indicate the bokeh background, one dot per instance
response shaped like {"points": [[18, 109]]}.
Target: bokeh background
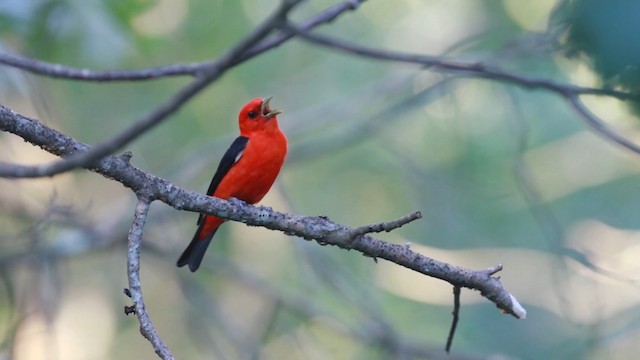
{"points": [[502, 174]]}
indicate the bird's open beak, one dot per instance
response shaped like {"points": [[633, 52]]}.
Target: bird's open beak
{"points": [[265, 111]]}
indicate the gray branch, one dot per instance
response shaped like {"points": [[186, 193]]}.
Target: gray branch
{"points": [[61, 71], [569, 92], [147, 329], [320, 229]]}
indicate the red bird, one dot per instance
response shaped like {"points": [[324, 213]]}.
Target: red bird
{"points": [[246, 172]]}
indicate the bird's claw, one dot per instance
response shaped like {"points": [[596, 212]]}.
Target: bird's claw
{"points": [[237, 202]]}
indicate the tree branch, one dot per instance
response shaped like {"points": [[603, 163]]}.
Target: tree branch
{"points": [[598, 125], [60, 71], [147, 329], [386, 226], [225, 62], [478, 69], [320, 229]]}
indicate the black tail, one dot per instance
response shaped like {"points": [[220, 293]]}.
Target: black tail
{"points": [[194, 253]]}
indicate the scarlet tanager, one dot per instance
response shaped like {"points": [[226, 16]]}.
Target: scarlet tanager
{"points": [[246, 172]]}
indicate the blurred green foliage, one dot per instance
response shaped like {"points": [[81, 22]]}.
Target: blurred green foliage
{"points": [[501, 174], [607, 36]]}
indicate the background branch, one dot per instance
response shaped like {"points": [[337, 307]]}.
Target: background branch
{"points": [[225, 62], [210, 72], [60, 71], [477, 69], [569, 92]]}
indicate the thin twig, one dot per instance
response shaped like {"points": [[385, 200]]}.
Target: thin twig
{"points": [[456, 316], [325, 17], [598, 125], [60, 71], [147, 329], [494, 269], [388, 225]]}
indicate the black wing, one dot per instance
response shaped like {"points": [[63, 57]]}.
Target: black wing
{"points": [[229, 159]]}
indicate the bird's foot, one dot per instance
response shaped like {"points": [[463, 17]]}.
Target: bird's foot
{"points": [[236, 201]]}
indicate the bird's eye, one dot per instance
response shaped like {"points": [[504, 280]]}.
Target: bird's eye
{"points": [[252, 114]]}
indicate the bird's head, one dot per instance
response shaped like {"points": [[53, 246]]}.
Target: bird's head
{"points": [[256, 115]]}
